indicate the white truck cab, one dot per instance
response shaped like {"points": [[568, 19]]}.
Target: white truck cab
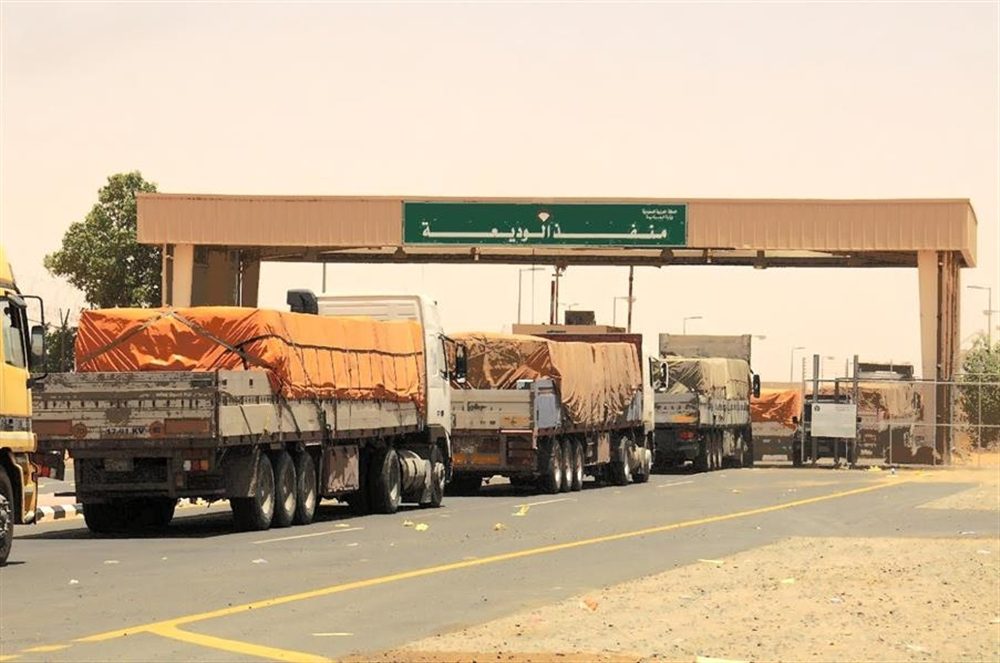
{"points": [[424, 310]]}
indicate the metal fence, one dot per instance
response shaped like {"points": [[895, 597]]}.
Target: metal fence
{"points": [[923, 422], [900, 422]]}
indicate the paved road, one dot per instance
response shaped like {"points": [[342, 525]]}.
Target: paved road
{"points": [[345, 585]]}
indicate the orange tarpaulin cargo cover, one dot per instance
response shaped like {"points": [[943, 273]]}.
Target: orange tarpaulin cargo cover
{"points": [[308, 356], [597, 381], [776, 405]]}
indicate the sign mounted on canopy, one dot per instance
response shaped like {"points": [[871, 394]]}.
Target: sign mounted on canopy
{"points": [[560, 224]]}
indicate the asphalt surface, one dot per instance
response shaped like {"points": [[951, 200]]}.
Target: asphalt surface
{"points": [[347, 585]]}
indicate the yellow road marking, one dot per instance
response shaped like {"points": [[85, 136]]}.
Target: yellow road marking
{"points": [[7, 657], [45, 648], [236, 646], [307, 536], [468, 563]]}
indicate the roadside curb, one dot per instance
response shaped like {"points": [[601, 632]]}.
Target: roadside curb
{"points": [[58, 512], [70, 511]]}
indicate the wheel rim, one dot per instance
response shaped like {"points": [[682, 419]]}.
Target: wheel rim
{"points": [[625, 462], [309, 491], [557, 473], [6, 519], [439, 477], [394, 489], [265, 490], [288, 488]]}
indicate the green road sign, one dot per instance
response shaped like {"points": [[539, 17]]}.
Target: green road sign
{"points": [[560, 224]]}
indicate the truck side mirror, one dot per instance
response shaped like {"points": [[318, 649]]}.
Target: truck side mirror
{"points": [[37, 345], [461, 364], [756, 386]]}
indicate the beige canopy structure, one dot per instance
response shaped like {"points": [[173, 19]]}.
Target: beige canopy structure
{"points": [[213, 244]]}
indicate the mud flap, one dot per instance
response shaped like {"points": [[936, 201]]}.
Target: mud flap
{"points": [[239, 467]]}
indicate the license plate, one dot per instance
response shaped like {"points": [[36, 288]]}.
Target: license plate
{"points": [[117, 464]]}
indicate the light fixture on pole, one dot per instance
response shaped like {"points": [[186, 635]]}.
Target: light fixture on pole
{"points": [[791, 367], [614, 307], [520, 273], [684, 322], [988, 311]]}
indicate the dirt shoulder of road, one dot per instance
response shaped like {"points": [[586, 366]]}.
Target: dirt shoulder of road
{"points": [[981, 469], [801, 599]]}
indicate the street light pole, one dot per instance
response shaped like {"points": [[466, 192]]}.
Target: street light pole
{"points": [[989, 312], [791, 366], [520, 273], [684, 322]]}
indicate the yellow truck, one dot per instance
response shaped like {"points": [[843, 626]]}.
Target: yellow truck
{"points": [[22, 348]]}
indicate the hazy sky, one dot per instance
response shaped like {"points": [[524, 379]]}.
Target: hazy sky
{"points": [[663, 100]]}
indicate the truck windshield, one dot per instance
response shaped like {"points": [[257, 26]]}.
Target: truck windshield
{"points": [[13, 334]]}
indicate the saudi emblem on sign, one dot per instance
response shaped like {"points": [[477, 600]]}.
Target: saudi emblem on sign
{"points": [[562, 224]]}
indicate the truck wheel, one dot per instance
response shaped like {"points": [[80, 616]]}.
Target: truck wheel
{"points": [[385, 481], [285, 489], [796, 455], [437, 479], [6, 517], [305, 489], [254, 513], [103, 518], [566, 453], [645, 467], [621, 469], [748, 452], [148, 512], [576, 473], [701, 460], [552, 468]]}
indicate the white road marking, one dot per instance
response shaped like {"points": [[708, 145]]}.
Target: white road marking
{"points": [[306, 536], [676, 483], [560, 499], [336, 634]]}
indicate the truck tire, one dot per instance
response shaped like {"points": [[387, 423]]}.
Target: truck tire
{"points": [[576, 466], [438, 473], [748, 459], [253, 514], [566, 453], [701, 460], [306, 498], [103, 517], [145, 512], [285, 489], [6, 516], [621, 469], [552, 467], [385, 481], [645, 467]]}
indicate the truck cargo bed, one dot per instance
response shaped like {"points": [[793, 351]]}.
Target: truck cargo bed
{"points": [[192, 408], [699, 410]]}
